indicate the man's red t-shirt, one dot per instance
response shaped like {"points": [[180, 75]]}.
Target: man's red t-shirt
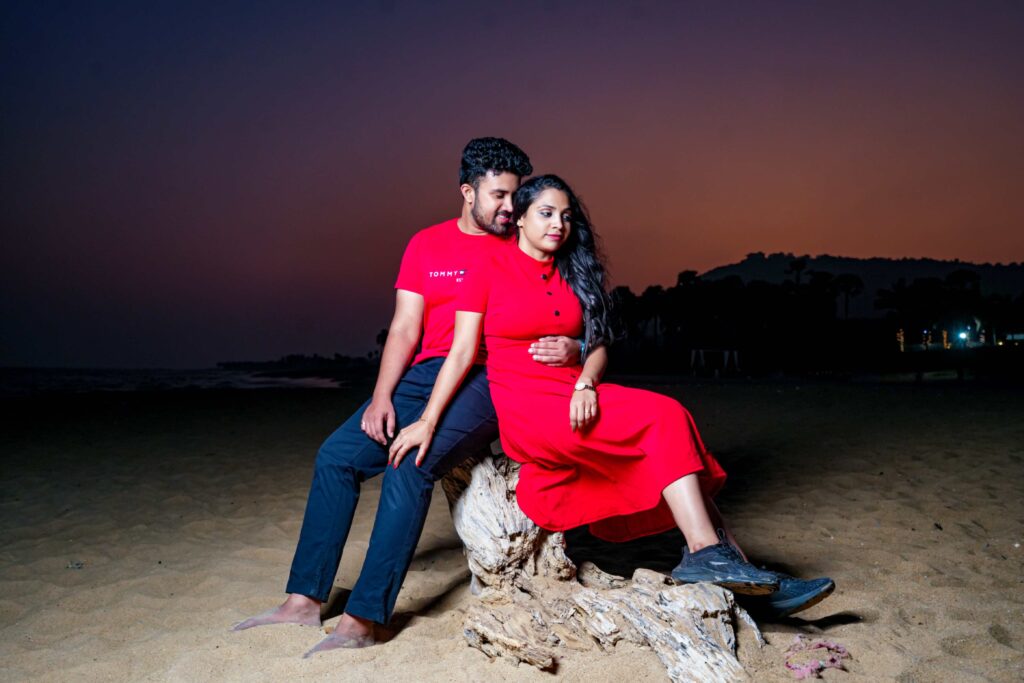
{"points": [[434, 266]]}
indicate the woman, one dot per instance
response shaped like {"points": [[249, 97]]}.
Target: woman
{"points": [[625, 461]]}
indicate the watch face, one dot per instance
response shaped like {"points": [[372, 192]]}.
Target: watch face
{"points": [[580, 386]]}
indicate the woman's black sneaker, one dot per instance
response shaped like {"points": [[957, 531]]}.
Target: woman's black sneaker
{"points": [[794, 595], [723, 566]]}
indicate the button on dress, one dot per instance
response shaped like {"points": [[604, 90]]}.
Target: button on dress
{"points": [[611, 473]]}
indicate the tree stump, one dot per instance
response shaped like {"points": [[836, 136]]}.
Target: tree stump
{"points": [[533, 601]]}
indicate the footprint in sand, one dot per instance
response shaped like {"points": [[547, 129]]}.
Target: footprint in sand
{"points": [[979, 647], [947, 582], [1003, 637]]}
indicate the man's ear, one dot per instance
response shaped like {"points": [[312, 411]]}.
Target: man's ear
{"points": [[468, 193]]}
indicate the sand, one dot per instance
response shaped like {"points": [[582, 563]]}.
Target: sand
{"points": [[136, 528]]}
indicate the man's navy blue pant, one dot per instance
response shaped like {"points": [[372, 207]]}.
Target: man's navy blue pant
{"points": [[349, 456]]}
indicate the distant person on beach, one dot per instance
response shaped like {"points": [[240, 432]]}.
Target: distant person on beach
{"points": [[627, 462], [431, 273]]}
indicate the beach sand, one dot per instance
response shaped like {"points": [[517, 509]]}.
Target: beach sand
{"points": [[137, 528]]}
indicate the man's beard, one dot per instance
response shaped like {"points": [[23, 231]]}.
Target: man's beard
{"points": [[492, 226]]}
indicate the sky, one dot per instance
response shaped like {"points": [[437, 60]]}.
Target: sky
{"points": [[185, 183]]}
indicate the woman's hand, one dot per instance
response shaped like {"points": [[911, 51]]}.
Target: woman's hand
{"points": [[419, 433], [582, 409], [379, 420]]}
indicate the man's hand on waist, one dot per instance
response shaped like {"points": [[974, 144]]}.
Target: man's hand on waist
{"points": [[556, 351]]}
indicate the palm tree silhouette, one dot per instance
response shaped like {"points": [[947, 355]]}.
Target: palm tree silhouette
{"points": [[848, 285], [796, 266]]}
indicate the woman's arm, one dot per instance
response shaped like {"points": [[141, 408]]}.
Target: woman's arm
{"points": [[465, 342], [597, 363], [583, 405]]}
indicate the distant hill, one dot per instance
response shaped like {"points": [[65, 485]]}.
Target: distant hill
{"points": [[877, 273]]}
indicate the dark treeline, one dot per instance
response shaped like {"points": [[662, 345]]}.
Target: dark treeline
{"points": [[875, 273], [803, 325]]}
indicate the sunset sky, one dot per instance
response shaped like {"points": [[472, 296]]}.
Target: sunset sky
{"points": [[184, 183]]}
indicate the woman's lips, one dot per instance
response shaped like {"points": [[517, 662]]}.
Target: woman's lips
{"points": [[554, 238]]}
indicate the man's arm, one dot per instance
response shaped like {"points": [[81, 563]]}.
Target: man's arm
{"points": [[403, 336], [556, 351]]}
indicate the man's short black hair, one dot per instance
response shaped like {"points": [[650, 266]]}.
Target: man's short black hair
{"points": [[492, 154]]}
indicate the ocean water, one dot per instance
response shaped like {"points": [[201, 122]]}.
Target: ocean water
{"points": [[30, 381]]}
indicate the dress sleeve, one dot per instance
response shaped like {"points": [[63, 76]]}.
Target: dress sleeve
{"points": [[473, 292], [410, 273]]}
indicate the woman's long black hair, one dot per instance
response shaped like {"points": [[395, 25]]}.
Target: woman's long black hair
{"points": [[579, 260]]}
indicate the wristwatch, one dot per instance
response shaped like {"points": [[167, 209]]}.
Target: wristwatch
{"points": [[580, 386]]}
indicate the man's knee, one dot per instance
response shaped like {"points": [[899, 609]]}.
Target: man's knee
{"points": [[331, 465], [329, 455], [349, 450]]}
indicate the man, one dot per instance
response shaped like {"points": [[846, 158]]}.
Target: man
{"points": [[431, 272]]}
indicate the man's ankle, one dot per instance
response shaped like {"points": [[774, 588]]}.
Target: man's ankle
{"points": [[299, 601], [351, 622]]}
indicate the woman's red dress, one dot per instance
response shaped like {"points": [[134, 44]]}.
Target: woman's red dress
{"points": [[610, 474]]}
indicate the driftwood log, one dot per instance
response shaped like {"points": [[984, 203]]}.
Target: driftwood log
{"points": [[534, 602]]}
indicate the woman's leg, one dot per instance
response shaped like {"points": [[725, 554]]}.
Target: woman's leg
{"points": [[686, 501], [708, 558], [719, 523], [698, 522]]}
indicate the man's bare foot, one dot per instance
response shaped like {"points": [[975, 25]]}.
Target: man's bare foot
{"points": [[351, 632], [297, 609]]}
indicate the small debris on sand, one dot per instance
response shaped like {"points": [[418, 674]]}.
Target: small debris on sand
{"points": [[814, 666]]}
